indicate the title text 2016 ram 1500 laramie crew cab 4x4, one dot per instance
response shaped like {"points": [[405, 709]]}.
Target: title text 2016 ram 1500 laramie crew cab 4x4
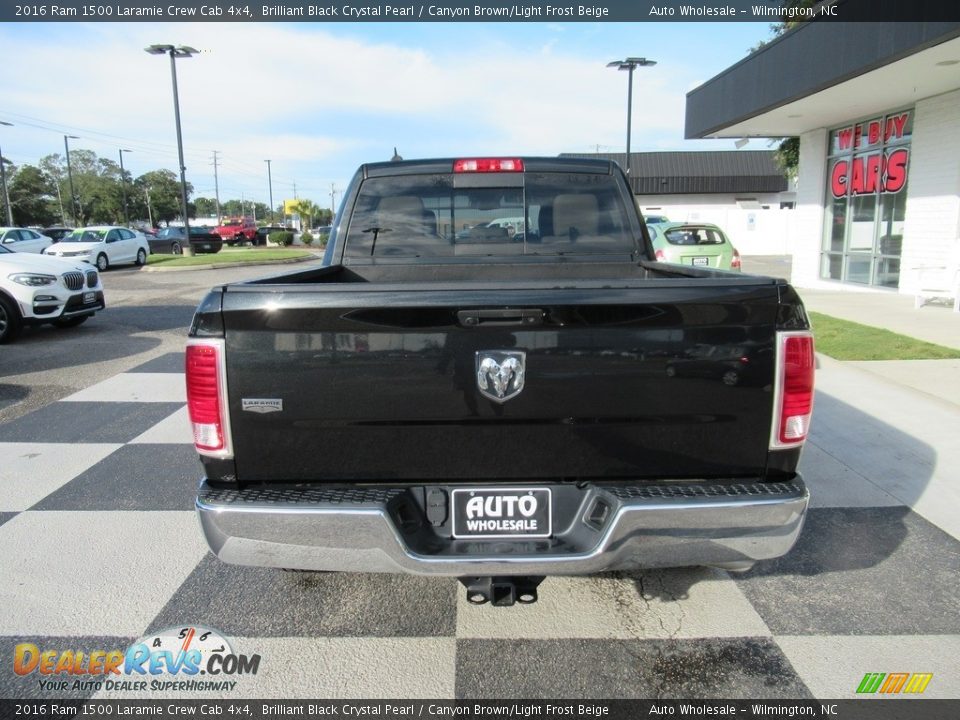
{"points": [[524, 399]]}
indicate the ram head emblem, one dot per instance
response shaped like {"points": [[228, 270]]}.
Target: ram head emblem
{"points": [[500, 374]]}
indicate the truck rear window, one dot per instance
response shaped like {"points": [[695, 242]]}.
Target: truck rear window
{"points": [[545, 214]]}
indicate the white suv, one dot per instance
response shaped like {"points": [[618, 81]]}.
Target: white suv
{"points": [[35, 289]]}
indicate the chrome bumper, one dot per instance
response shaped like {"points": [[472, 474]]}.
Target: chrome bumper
{"points": [[382, 529]]}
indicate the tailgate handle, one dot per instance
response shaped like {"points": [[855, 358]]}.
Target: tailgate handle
{"points": [[475, 318]]}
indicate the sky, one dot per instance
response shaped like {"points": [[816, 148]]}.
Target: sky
{"points": [[319, 99]]}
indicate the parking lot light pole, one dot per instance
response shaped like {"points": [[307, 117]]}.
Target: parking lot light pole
{"points": [[123, 185], [73, 194], [630, 64], [177, 52], [270, 184], [3, 177]]}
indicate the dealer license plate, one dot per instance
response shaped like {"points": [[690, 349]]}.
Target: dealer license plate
{"points": [[702, 261], [502, 513], [89, 297]]}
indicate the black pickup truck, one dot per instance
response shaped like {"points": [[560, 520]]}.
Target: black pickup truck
{"points": [[535, 396]]}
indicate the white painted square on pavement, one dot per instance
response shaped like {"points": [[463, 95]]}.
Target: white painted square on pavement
{"points": [[135, 387], [93, 573], [174, 430], [31, 471]]}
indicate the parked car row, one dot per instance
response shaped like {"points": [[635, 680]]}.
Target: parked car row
{"points": [[108, 245]]}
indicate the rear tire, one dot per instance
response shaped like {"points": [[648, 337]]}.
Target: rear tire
{"points": [[102, 262], [176, 249], [141, 257], [10, 321]]}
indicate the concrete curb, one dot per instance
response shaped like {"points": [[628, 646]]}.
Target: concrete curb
{"points": [[218, 266]]}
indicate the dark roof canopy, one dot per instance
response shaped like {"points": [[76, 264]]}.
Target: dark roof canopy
{"points": [[812, 58], [699, 172]]}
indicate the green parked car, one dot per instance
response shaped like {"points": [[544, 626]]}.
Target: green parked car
{"points": [[697, 244]]}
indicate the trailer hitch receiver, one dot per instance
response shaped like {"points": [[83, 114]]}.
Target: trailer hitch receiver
{"points": [[502, 591]]}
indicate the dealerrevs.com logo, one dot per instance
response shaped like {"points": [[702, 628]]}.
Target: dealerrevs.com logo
{"points": [[192, 658]]}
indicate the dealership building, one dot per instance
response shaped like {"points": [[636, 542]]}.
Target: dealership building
{"points": [[746, 193], [877, 109]]}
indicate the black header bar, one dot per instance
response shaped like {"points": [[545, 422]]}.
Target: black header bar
{"points": [[330, 11], [254, 709]]}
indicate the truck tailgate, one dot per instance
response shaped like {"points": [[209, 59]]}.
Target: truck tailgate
{"points": [[668, 381]]}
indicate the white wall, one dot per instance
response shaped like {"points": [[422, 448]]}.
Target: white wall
{"points": [[931, 231], [751, 229], [931, 234], [806, 227]]}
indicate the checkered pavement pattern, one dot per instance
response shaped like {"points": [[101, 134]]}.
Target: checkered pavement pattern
{"points": [[99, 546]]}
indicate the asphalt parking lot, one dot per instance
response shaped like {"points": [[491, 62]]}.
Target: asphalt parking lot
{"points": [[99, 547]]}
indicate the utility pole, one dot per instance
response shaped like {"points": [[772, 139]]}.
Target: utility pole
{"points": [[73, 194], [146, 193], [63, 214], [123, 184], [6, 195], [333, 195], [216, 185], [3, 175], [270, 183]]}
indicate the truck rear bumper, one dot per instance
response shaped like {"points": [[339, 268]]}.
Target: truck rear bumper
{"points": [[383, 529]]}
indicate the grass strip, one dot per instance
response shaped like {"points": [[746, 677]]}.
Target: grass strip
{"points": [[845, 340], [228, 255]]}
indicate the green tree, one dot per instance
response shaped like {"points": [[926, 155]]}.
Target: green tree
{"points": [[54, 167], [262, 211], [787, 154], [161, 188], [96, 184], [32, 198], [206, 207]]}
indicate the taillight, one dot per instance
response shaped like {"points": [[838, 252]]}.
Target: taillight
{"points": [[735, 263], [488, 165], [661, 256], [793, 394], [207, 397]]}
